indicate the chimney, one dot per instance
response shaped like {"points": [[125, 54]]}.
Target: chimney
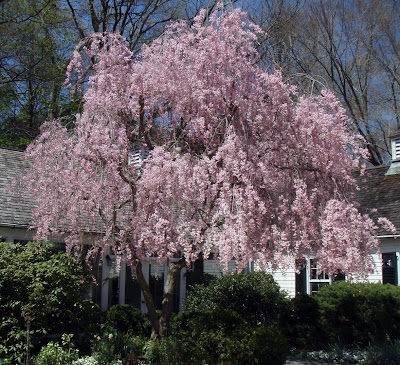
{"points": [[394, 168]]}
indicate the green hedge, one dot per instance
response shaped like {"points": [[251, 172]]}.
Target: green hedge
{"points": [[359, 314], [218, 336], [125, 318]]}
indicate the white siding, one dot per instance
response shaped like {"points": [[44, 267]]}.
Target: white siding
{"points": [[286, 280], [211, 267], [376, 276]]}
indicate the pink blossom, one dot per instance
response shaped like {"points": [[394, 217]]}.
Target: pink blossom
{"points": [[239, 163]]}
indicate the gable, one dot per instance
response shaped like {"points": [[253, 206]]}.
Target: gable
{"points": [[381, 192]]}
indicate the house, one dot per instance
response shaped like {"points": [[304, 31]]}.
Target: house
{"points": [[380, 190], [114, 286]]}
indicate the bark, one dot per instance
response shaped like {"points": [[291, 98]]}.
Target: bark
{"points": [[28, 342], [160, 327], [174, 269], [144, 286]]}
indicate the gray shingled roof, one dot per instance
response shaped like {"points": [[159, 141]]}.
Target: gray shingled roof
{"points": [[380, 192], [16, 206]]}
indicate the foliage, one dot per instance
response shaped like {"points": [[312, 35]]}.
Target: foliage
{"points": [[254, 296], [238, 163], [42, 288], [218, 336], [35, 44], [301, 323], [268, 346], [214, 337], [386, 354], [125, 318], [360, 314], [55, 354], [114, 346]]}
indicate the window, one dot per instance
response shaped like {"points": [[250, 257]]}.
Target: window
{"points": [[317, 280], [309, 280]]}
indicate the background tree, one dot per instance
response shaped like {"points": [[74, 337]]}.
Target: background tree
{"points": [[35, 47], [239, 164], [347, 46], [37, 40]]}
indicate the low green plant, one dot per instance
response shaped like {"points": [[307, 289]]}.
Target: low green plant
{"points": [[268, 346], [219, 336], [301, 324], [41, 293], [212, 337], [55, 354], [111, 347], [386, 354]]}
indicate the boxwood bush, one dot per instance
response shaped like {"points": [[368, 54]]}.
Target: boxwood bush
{"points": [[301, 324], [254, 296], [359, 314]]}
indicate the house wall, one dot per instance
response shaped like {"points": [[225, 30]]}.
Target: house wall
{"points": [[285, 279], [10, 234]]}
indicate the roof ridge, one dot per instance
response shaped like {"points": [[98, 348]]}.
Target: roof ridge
{"points": [[12, 149]]}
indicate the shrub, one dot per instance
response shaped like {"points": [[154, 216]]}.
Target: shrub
{"points": [[219, 336], [125, 318], [55, 354], [386, 354], [268, 346], [301, 323], [213, 336], [111, 347], [171, 350], [41, 288], [254, 296], [359, 314]]}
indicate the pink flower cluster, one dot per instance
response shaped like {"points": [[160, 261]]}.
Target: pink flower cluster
{"points": [[239, 163]]}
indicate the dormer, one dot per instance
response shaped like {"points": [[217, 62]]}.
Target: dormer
{"points": [[394, 168], [138, 156]]}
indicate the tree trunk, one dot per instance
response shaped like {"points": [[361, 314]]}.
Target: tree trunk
{"points": [[160, 327], [174, 269], [28, 342], [144, 286]]}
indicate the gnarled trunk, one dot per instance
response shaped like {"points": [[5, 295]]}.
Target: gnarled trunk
{"points": [[174, 269], [160, 326]]}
